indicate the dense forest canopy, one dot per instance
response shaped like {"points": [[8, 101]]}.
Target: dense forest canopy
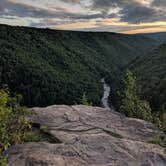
{"points": [[151, 76], [58, 67], [141, 91]]}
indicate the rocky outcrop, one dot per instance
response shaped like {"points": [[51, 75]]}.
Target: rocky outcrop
{"points": [[90, 136]]}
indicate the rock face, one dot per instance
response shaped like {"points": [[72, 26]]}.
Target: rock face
{"points": [[90, 136]]}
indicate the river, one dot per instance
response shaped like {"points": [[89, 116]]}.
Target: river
{"points": [[106, 93]]}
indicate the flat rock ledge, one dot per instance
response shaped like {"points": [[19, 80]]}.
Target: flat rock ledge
{"points": [[90, 136]]}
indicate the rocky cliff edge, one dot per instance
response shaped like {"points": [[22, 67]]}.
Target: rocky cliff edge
{"points": [[89, 136]]}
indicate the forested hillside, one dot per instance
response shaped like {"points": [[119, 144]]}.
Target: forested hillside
{"points": [[158, 36], [58, 67], [151, 75]]}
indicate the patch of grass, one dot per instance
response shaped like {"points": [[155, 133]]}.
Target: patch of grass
{"points": [[116, 135], [3, 161], [159, 140], [39, 133], [44, 128], [156, 140]]}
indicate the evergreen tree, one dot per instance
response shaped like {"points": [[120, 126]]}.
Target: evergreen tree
{"points": [[131, 105], [84, 100]]}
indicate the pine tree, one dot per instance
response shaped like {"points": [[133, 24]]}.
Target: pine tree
{"points": [[131, 105], [84, 100]]}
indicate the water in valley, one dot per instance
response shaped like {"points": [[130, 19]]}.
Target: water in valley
{"points": [[106, 93]]}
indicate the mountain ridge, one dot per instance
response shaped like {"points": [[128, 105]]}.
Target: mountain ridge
{"points": [[35, 62], [158, 36], [153, 80]]}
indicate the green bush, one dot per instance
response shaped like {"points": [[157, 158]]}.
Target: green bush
{"points": [[3, 161], [163, 121], [156, 140], [160, 120], [13, 122], [159, 140], [84, 100], [33, 136], [150, 70], [131, 104], [41, 134], [44, 128]]}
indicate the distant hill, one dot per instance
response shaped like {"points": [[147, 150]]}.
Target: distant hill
{"points": [[160, 36], [151, 74], [57, 67]]}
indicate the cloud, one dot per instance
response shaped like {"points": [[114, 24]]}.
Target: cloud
{"points": [[139, 14], [10, 8], [159, 3], [106, 5], [127, 10], [26, 10], [132, 11], [52, 23], [71, 1], [117, 28], [3, 4], [63, 12]]}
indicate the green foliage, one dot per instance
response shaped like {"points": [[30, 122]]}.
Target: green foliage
{"points": [[163, 121], [33, 136], [131, 104], [84, 100], [56, 67], [44, 128], [159, 119], [156, 119], [151, 71], [3, 161], [13, 124], [156, 140], [40, 135], [160, 140]]}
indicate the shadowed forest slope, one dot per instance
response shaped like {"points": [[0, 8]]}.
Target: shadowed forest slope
{"points": [[57, 67], [151, 75]]}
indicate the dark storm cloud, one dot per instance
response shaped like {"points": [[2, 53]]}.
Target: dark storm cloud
{"points": [[131, 10], [125, 6], [141, 14], [138, 14]]}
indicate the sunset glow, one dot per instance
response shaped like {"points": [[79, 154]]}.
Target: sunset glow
{"points": [[125, 16]]}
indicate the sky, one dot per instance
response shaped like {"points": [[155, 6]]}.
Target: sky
{"points": [[124, 16]]}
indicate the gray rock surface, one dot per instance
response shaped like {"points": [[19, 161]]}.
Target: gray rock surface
{"points": [[90, 136]]}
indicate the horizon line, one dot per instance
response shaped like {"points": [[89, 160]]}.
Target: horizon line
{"points": [[81, 30]]}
